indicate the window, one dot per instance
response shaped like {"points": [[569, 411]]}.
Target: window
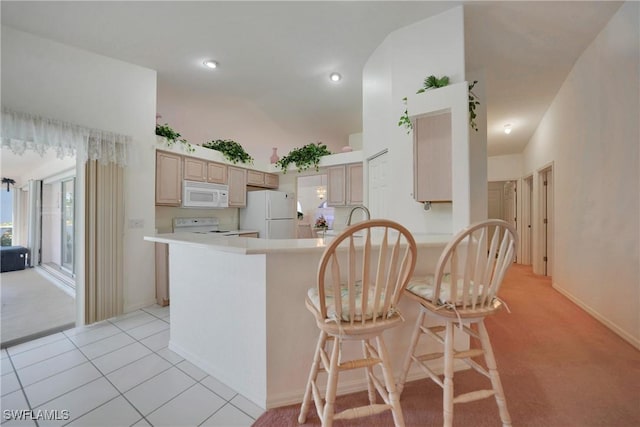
{"points": [[6, 217]]}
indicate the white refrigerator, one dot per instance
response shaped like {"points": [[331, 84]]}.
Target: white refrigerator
{"points": [[271, 213]]}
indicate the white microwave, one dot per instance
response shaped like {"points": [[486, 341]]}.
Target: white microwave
{"points": [[204, 195]]}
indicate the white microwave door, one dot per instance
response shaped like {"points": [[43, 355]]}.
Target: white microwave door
{"points": [[202, 198]]}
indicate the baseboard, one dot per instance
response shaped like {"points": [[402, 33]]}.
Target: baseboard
{"points": [[634, 341], [134, 307]]}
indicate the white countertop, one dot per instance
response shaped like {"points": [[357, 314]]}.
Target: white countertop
{"points": [[248, 246]]}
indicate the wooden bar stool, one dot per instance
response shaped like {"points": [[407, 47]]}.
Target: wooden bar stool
{"points": [[462, 292], [356, 299]]}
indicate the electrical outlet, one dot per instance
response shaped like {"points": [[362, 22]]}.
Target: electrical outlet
{"points": [[136, 223]]}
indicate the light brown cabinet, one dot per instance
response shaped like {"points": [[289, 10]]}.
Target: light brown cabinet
{"points": [[344, 185], [262, 179], [217, 173], [237, 181], [168, 179], [162, 274], [201, 170], [432, 158]]}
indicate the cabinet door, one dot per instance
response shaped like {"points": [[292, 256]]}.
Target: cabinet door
{"points": [[255, 178], [217, 172], [354, 184], [237, 179], [168, 179], [271, 180], [336, 186], [195, 169], [255, 235], [432, 158]]}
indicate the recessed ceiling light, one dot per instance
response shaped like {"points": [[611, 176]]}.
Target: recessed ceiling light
{"points": [[335, 77], [507, 129], [210, 63]]}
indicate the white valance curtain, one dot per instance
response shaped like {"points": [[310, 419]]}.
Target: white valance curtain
{"points": [[23, 131]]}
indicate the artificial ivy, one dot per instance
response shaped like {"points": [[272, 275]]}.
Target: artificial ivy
{"points": [[230, 149], [172, 137], [432, 82], [304, 157]]}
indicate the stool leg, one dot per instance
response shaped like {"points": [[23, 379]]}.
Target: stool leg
{"points": [[368, 372], [332, 386], [313, 374], [415, 337], [447, 400], [390, 384], [494, 375]]}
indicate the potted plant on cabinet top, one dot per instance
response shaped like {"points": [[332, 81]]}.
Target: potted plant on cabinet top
{"points": [[230, 149], [304, 157]]}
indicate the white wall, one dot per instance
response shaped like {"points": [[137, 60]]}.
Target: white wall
{"points": [[504, 168], [61, 82], [396, 70], [200, 119], [591, 135]]}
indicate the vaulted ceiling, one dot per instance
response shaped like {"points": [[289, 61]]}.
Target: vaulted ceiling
{"points": [[278, 55]]}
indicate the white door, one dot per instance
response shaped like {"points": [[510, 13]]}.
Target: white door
{"points": [[280, 205], [280, 229], [378, 171]]}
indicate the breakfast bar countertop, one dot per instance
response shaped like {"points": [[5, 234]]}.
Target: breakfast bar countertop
{"points": [[250, 246]]}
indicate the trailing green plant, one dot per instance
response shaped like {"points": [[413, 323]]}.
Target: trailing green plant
{"points": [[230, 149], [172, 137], [473, 103], [404, 119], [304, 157], [433, 82]]}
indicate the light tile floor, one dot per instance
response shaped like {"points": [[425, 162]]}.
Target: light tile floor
{"points": [[118, 372]]}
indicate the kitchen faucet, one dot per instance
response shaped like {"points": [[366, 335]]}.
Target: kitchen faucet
{"points": [[364, 208]]}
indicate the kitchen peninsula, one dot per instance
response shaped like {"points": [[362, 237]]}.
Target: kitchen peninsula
{"points": [[237, 311]]}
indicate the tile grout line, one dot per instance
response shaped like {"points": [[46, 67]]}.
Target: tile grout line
{"points": [[26, 398]]}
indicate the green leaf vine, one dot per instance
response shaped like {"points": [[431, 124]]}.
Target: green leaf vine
{"points": [[304, 157], [230, 149], [172, 137], [432, 82]]}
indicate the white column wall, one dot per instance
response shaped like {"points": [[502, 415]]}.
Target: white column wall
{"points": [[395, 70], [591, 135], [58, 81]]}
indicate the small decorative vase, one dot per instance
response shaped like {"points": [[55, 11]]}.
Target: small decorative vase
{"points": [[274, 156]]}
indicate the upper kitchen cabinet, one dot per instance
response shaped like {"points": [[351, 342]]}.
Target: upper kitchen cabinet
{"points": [[195, 169], [344, 185], [237, 180], [262, 179], [200, 170], [216, 173], [168, 179], [432, 157]]}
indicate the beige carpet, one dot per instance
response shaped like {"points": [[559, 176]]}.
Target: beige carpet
{"points": [[559, 367], [32, 306]]}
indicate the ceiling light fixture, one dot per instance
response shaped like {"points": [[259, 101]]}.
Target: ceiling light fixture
{"points": [[507, 129], [210, 63], [335, 77]]}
